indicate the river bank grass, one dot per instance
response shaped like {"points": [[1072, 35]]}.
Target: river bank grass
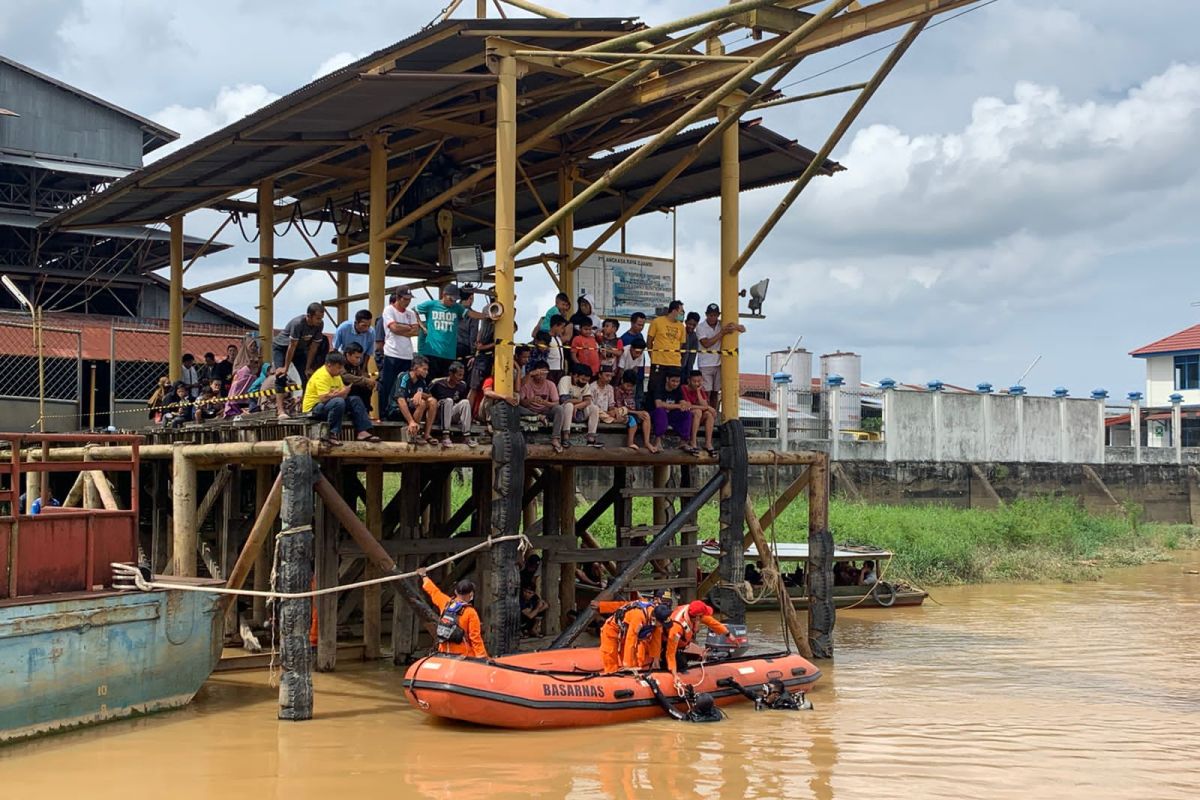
{"points": [[1043, 539]]}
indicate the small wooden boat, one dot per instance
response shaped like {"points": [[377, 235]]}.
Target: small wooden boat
{"points": [[564, 688], [882, 594]]}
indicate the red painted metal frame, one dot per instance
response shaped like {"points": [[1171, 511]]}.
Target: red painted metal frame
{"points": [[64, 550]]}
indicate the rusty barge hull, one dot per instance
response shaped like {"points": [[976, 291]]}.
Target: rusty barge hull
{"points": [[71, 660]]}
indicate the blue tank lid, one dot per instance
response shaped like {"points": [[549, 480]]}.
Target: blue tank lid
{"points": [[887, 383], [1176, 398], [781, 377], [934, 385], [1099, 394], [835, 380], [1134, 395], [1061, 391], [983, 388], [1016, 389]]}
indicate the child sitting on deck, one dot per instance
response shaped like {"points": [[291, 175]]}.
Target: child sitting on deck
{"points": [[626, 405], [694, 393]]}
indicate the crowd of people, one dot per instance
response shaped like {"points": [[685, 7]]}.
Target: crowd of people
{"points": [[657, 379]]}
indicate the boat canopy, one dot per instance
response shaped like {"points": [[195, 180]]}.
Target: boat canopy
{"points": [[798, 551]]}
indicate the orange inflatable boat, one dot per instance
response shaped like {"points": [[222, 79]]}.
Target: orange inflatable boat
{"points": [[564, 688]]}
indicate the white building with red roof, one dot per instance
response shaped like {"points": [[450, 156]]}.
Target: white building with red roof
{"points": [[1172, 367]]}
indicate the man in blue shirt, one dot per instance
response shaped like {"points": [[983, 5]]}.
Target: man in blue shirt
{"points": [[355, 330], [441, 318]]}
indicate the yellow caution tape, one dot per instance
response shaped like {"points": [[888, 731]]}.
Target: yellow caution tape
{"points": [[682, 351], [183, 403]]}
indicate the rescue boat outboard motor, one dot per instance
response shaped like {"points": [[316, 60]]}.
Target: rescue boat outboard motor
{"points": [[721, 647]]}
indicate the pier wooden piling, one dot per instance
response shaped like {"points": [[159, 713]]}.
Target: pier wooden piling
{"points": [[295, 555]]}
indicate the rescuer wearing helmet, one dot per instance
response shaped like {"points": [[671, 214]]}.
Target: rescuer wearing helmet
{"points": [[458, 628], [681, 629]]}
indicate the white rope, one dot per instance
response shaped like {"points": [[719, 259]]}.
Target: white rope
{"points": [[132, 573]]}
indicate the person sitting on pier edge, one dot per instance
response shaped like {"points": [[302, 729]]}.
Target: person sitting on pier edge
{"points": [[294, 349], [412, 402], [693, 392], [681, 631], [328, 398], [442, 316], [249, 367], [450, 393], [556, 355], [575, 392], [539, 398], [664, 340], [602, 398], [400, 324], [627, 404], [584, 349], [669, 411], [634, 358], [355, 376], [491, 396], [458, 629], [625, 634]]}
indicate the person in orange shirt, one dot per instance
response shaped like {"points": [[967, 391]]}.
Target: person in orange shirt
{"points": [[649, 651], [624, 633], [682, 629], [458, 630]]}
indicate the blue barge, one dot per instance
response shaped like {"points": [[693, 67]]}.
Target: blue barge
{"points": [[73, 650]]}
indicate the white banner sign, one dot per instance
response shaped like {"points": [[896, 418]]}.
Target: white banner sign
{"points": [[621, 284]]}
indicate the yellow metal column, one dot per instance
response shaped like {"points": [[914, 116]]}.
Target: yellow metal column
{"points": [[506, 217], [377, 248], [343, 283], [730, 186], [566, 233], [266, 269], [175, 298]]}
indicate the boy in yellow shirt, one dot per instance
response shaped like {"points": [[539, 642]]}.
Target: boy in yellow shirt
{"points": [[328, 398]]}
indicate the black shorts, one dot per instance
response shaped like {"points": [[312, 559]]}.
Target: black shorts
{"points": [[480, 370], [438, 367]]}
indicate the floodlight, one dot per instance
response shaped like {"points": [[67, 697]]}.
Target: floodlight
{"points": [[17, 294], [758, 293]]}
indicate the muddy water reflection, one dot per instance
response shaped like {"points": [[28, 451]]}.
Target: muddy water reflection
{"points": [[1001, 691]]}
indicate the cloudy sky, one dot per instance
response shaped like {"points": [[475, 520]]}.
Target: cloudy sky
{"points": [[1026, 183]]}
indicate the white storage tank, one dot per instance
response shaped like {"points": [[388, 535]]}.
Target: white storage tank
{"points": [[849, 367], [801, 423]]}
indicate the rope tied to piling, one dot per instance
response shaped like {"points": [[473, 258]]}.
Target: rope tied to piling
{"points": [[129, 576]]}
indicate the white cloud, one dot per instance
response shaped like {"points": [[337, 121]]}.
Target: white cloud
{"points": [[335, 62], [231, 104]]}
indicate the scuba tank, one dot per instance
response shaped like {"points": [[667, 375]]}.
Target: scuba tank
{"points": [[645, 630], [448, 630]]}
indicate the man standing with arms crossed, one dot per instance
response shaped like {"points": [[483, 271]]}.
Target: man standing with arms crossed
{"points": [[712, 334]]}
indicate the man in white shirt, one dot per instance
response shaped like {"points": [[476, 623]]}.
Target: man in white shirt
{"points": [[711, 334], [400, 323], [575, 390]]}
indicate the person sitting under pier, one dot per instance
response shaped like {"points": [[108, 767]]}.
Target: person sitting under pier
{"points": [[533, 610], [450, 394], [458, 630], [412, 402], [328, 398], [575, 392]]}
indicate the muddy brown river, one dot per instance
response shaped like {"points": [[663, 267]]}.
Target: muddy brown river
{"points": [[1025, 691]]}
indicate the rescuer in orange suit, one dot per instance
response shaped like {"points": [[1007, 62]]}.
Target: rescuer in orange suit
{"points": [[624, 634], [649, 651], [458, 629], [681, 630]]}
